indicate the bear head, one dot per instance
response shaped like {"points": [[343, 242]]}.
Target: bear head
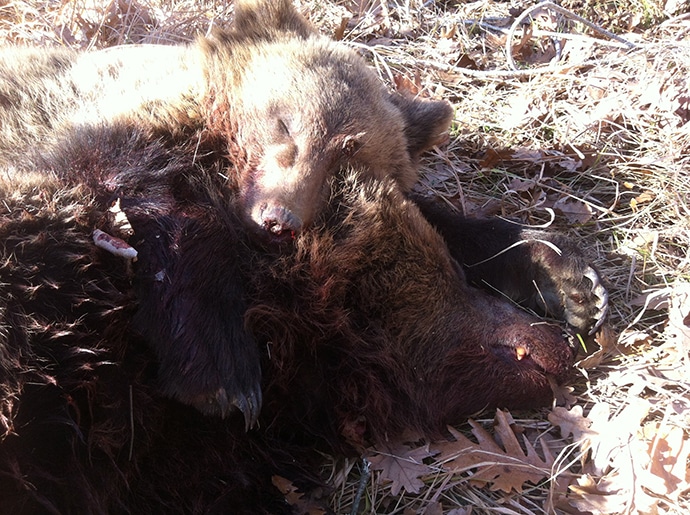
{"points": [[296, 107]]}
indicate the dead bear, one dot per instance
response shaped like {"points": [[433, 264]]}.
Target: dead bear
{"points": [[278, 139], [365, 327], [288, 106]]}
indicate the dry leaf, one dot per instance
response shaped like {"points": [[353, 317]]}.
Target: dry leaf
{"points": [[466, 510], [405, 85], [606, 339], [608, 438], [640, 474], [575, 211], [505, 467], [668, 452], [597, 497], [571, 422], [433, 508], [492, 157], [518, 185], [562, 394], [301, 505], [678, 328], [629, 466], [402, 466]]}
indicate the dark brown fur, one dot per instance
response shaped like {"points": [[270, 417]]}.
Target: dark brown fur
{"points": [[366, 327], [276, 108]]}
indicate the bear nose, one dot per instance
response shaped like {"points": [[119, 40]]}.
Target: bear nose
{"points": [[280, 221]]}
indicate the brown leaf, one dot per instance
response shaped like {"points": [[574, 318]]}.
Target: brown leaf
{"points": [[405, 85], [639, 465], [575, 211], [504, 467], [296, 499], [598, 497], [492, 157], [669, 451], [433, 508], [402, 466], [518, 185], [340, 31], [562, 394], [571, 422], [465, 61], [606, 339], [607, 440]]}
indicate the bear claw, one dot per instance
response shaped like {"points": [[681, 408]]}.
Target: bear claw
{"points": [[220, 403], [249, 405], [602, 296]]}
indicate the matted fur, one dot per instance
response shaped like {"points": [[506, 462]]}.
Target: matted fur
{"points": [[365, 327]]}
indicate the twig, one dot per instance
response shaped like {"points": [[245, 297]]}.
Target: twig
{"points": [[363, 480], [567, 14], [496, 74], [131, 422]]}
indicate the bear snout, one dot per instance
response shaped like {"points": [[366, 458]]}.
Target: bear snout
{"points": [[278, 221]]}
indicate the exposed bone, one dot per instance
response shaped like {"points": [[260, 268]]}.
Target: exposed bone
{"points": [[113, 245]]}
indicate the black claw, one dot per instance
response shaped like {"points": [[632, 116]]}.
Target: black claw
{"points": [[250, 406], [220, 404]]}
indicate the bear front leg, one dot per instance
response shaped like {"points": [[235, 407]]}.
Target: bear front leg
{"points": [[543, 271], [192, 305]]}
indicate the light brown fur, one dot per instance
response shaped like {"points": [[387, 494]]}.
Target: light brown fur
{"points": [[288, 106]]}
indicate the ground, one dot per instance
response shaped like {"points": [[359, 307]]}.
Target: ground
{"points": [[595, 144]]}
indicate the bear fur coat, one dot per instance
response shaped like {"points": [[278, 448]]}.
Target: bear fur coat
{"points": [[366, 326]]}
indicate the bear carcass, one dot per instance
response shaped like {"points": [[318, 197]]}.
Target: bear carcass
{"points": [[280, 108], [364, 328]]}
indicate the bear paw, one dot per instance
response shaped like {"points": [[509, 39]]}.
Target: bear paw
{"points": [[224, 401], [586, 305], [566, 286], [215, 387]]}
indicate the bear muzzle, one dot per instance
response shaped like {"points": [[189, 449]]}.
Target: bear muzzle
{"points": [[278, 223]]}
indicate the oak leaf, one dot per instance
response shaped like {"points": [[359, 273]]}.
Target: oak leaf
{"points": [[574, 210], [301, 505], [571, 422], [669, 451], [629, 466], [503, 466], [403, 466]]}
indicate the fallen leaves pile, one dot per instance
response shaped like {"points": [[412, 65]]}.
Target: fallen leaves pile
{"points": [[575, 118]]}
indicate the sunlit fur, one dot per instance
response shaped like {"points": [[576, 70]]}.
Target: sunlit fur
{"points": [[365, 327], [286, 105]]}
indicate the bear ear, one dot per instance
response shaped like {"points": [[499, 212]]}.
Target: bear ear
{"points": [[426, 122], [262, 19]]}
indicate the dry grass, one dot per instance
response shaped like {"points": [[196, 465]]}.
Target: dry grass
{"points": [[596, 144]]}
